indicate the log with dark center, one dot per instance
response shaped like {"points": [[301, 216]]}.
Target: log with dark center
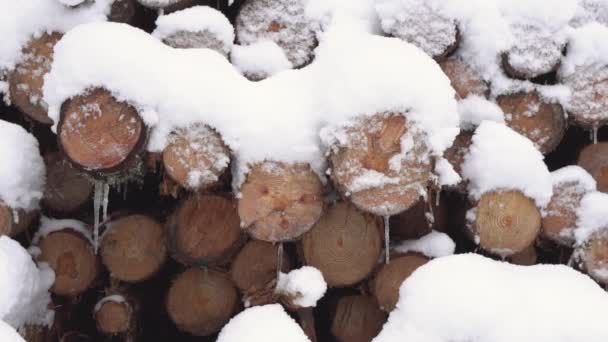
{"points": [[356, 318], [594, 159], [388, 280], [66, 189], [464, 79]]}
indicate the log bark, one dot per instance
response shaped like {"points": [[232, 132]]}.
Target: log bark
{"points": [[254, 272], [26, 80], [66, 189], [594, 159], [356, 318], [414, 223], [344, 245], [588, 105], [559, 221], [506, 222], [386, 283], [368, 147], [280, 202], [99, 134], [201, 301], [12, 226], [133, 248], [71, 256], [538, 120], [593, 257], [464, 79], [205, 230]]}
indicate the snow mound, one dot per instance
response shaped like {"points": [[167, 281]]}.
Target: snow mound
{"points": [[304, 286], [9, 334], [586, 46], [501, 159], [474, 109], [267, 323], [24, 295], [496, 302], [22, 174], [434, 245], [591, 216], [574, 174], [260, 60]]}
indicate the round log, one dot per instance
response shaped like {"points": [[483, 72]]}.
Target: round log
{"points": [[254, 272], [559, 220], [196, 157], [593, 257], [534, 53], [527, 257], [356, 318], [201, 301], [115, 315], [280, 202], [122, 11], [366, 151], [281, 21], [11, 226], [344, 245], [99, 134], [26, 80], [414, 223], [464, 79], [594, 159], [205, 230], [71, 256], [506, 222], [389, 278], [528, 114], [588, 106], [66, 189], [133, 248]]}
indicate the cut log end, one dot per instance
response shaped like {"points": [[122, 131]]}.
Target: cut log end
{"points": [[134, 248], [113, 318], [72, 258], [122, 11], [201, 301], [594, 159], [344, 245], [464, 79], [66, 189], [98, 133], [356, 318], [387, 281], [594, 257], [559, 220], [506, 222], [12, 226], [280, 202], [527, 257], [414, 223]]}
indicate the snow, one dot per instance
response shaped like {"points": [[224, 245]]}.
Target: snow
{"points": [[304, 286], [49, 225], [591, 216], [111, 298], [197, 19], [71, 2], [158, 3], [22, 173], [574, 174], [474, 109], [501, 159], [24, 296], [446, 173], [9, 334], [267, 323], [260, 60], [586, 46], [496, 302], [434, 245]]}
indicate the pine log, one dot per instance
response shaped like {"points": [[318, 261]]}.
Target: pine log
{"points": [[593, 256], [464, 79], [26, 80], [506, 222], [99, 134], [455, 155], [71, 256], [122, 11], [527, 257], [196, 157], [66, 189], [254, 272], [542, 122], [356, 318], [13, 226], [116, 315], [559, 220], [388, 280], [344, 245], [133, 248], [280, 202], [414, 222], [368, 147], [594, 159], [201, 301], [588, 105], [205, 230], [531, 44]]}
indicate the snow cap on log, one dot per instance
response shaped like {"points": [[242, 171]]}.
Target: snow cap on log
{"points": [[162, 4], [302, 287], [592, 236], [259, 60]]}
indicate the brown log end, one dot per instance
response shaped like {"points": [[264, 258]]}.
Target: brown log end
{"points": [[594, 159], [26, 80], [205, 230], [527, 257], [506, 222], [370, 144], [9, 227], [122, 11], [254, 272], [414, 224], [357, 318], [113, 318], [201, 301], [196, 157], [133, 249], [389, 278], [98, 133], [528, 114], [344, 245], [594, 257], [588, 105], [66, 189], [559, 220], [280, 202], [464, 79], [71, 256]]}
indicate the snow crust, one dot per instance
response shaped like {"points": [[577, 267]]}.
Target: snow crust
{"points": [[266, 323], [158, 3], [474, 109], [591, 216], [111, 298], [49, 225], [574, 174], [22, 174], [9, 334], [71, 2], [24, 295], [304, 286], [501, 159], [434, 245], [260, 60], [496, 302]]}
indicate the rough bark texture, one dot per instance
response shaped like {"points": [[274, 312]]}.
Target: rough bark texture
{"points": [[464, 79], [66, 189], [389, 278], [594, 159], [356, 318]]}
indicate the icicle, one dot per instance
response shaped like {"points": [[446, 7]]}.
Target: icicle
{"points": [[437, 198], [97, 195], [279, 259], [105, 200], [387, 239], [429, 214], [594, 134]]}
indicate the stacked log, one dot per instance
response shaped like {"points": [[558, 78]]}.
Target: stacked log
{"points": [[67, 190], [14, 222], [356, 318], [116, 315], [594, 159]]}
